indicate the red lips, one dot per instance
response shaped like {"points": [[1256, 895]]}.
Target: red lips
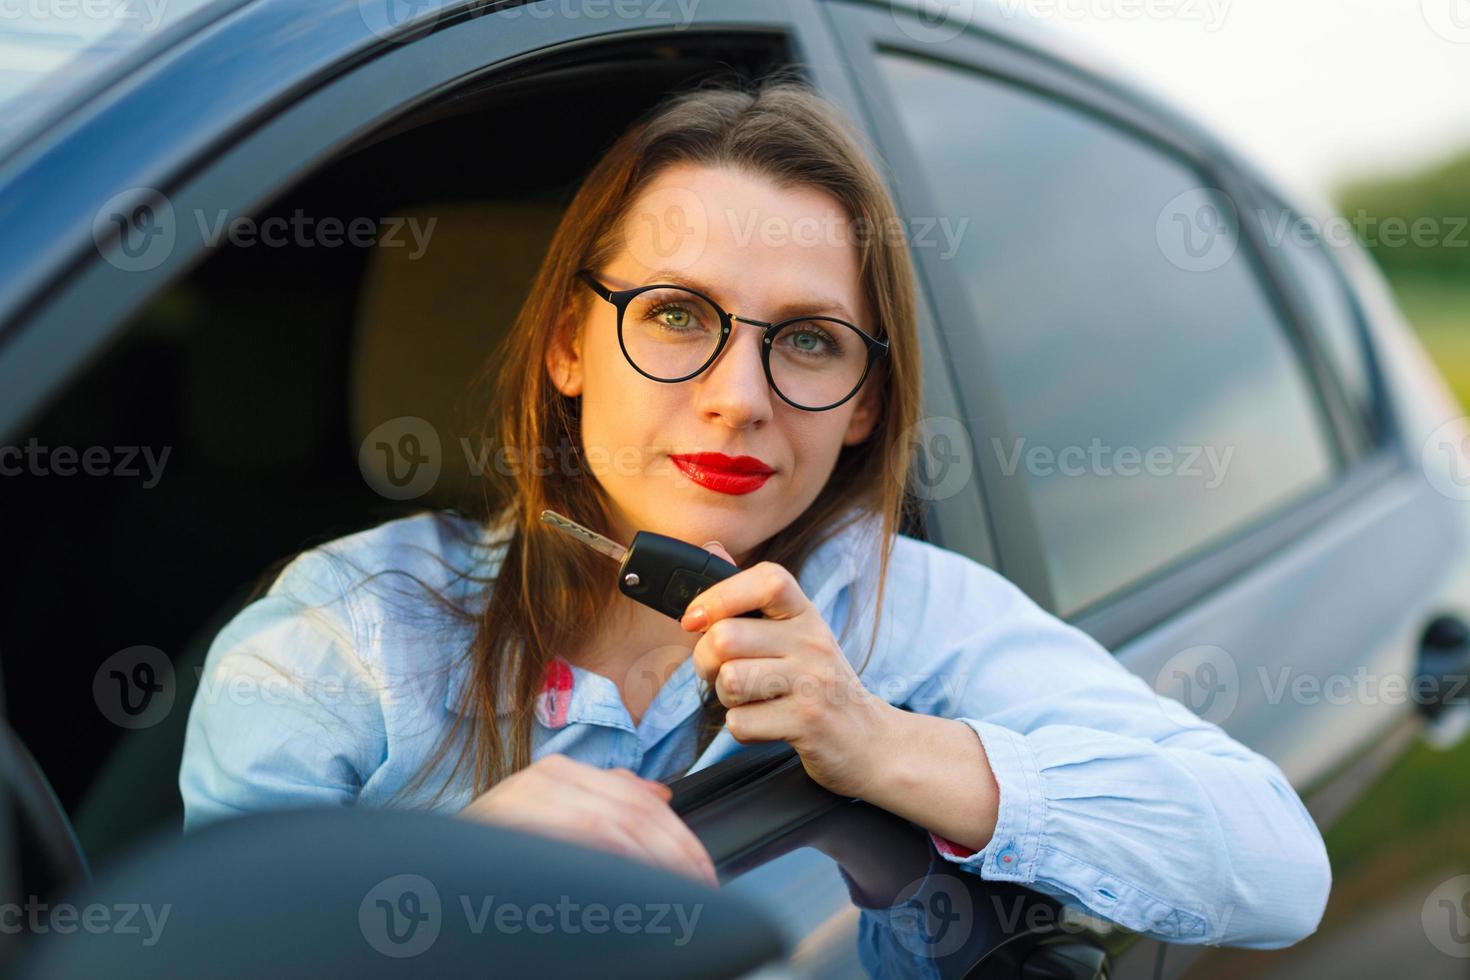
{"points": [[724, 474], [726, 464]]}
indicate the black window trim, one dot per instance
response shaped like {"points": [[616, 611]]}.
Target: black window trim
{"points": [[1378, 431], [1130, 611]]}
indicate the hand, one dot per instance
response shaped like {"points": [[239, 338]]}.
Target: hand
{"points": [[785, 677], [612, 809]]}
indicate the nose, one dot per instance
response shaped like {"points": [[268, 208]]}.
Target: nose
{"points": [[734, 387]]}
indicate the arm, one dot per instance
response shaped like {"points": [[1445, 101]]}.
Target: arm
{"points": [[285, 714], [1049, 764]]}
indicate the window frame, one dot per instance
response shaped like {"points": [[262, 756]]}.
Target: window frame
{"points": [[1376, 430], [1134, 608]]}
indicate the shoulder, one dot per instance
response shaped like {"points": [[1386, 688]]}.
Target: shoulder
{"points": [[941, 601], [948, 579], [441, 550]]}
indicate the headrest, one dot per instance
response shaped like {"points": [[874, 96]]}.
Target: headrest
{"points": [[431, 311]]}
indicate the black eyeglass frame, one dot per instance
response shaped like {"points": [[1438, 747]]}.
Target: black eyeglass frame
{"points": [[620, 298]]}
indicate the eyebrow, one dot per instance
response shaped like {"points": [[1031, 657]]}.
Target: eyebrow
{"points": [[808, 307]]}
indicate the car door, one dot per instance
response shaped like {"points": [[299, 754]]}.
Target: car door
{"points": [[114, 320], [1176, 436]]}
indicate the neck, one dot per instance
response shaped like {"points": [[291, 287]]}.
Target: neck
{"points": [[637, 649]]}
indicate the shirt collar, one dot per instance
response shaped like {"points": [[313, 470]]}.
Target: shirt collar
{"points": [[832, 567]]}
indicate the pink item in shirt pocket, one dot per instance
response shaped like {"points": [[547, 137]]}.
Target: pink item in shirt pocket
{"points": [[556, 694]]}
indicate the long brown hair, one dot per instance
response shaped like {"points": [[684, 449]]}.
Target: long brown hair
{"points": [[547, 587]]}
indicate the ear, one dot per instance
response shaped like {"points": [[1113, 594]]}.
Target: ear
{"points": [[865, 417], [564, 356]]}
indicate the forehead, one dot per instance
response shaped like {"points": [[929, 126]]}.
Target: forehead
{"points": [[758, 242]]}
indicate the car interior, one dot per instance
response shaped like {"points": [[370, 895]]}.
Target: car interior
{"points": [[260, 372]]}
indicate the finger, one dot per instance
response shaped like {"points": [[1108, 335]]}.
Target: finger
{"points": [[658, 788], [628, 824], [744, 680], [766, 586], [661, 830], [760, 721], [737, 639], [636, 844], [626, 791], [656, 815], [716, 548]]}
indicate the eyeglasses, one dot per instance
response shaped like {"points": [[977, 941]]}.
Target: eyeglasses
{"points": [[672, 333]]}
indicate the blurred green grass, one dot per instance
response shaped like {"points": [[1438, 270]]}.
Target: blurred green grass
{"points": [[1439, 309]]}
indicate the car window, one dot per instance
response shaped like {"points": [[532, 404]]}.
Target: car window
{"points": [[1155, 404], [1298, 242], [48, 53]]}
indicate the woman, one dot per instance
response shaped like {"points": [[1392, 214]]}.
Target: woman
{"points": [[758, 400]]}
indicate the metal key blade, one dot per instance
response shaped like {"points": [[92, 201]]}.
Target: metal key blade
{"points": [[585, 535]]}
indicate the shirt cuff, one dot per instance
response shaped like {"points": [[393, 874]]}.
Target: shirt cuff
{"points": [[1012, 851]]}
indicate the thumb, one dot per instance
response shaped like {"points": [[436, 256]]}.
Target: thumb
{"points": [[718, 549]]}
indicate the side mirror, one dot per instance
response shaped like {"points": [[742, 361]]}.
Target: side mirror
{"points": [[379, 893]]}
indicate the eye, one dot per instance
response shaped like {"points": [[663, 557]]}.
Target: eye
{"points": [[673, 315], [810, 339]]}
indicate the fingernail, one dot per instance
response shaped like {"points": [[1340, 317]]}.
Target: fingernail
{"points": [[695, 618]]}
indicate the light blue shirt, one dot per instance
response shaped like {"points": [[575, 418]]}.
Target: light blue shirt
{"points": [[1113, 799]]}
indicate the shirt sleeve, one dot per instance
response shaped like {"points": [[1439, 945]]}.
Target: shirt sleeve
{"points": [[286, 714], [1114, 799]]}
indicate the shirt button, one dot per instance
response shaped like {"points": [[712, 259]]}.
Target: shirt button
{"points": [[1007, 857]]}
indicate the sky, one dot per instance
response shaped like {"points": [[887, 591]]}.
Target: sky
{"points": [[1317, 91]]}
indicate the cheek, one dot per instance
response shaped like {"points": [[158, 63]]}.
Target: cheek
{"points": [[623, 414], [816, 441]]}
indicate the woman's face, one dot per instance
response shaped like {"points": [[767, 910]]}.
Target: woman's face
{"points": [[759, 251]]}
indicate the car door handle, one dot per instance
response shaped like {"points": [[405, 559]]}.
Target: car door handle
{"points": [[1444, 666]]}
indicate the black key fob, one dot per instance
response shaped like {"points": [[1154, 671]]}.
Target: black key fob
{"points": [[666, 574]]}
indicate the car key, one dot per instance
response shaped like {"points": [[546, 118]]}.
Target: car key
{"points": [[661, 572]]}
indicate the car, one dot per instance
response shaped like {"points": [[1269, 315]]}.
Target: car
{"points": [[1158, 399]]}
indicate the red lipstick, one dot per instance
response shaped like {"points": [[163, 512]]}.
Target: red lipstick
{"points": [[724, 474]]}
